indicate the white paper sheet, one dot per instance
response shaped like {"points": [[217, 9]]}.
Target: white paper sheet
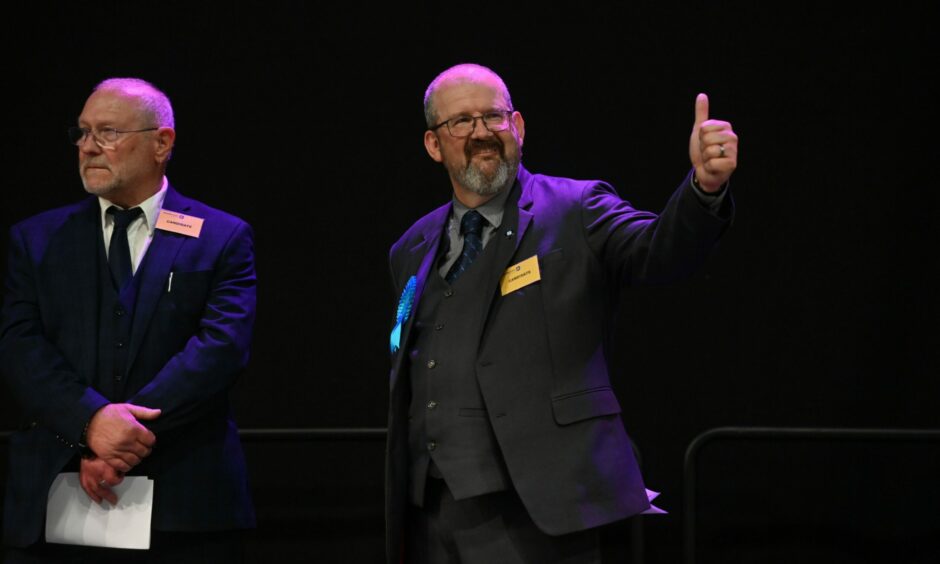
{"points": [[73, 518]]}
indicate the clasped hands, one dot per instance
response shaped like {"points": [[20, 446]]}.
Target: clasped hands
{"points": [[119, 442]]}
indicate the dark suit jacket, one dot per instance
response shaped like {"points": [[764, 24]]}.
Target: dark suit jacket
{"points": [[188, 344], [542, 361]]}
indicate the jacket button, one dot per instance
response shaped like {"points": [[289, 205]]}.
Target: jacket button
{"points": [[439, 326], [432, 404], [448, 293], [431, 364], [432, 445]]}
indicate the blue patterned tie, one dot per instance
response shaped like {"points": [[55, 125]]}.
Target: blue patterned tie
{"points": [[119, 252], [472, 228]]}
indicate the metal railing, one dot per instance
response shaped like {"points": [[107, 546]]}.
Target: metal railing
{"points": [[774, 433], [313, 434], [281, 435]]}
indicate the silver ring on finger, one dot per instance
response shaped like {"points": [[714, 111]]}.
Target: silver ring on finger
{"points": [[721, 150], [102, 483]]}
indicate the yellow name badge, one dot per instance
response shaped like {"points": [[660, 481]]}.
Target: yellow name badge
{"points": [[180, 223], [520, 275]]}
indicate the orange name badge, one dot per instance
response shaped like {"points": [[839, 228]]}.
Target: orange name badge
{"points": [[520, 275], [180, 223]]}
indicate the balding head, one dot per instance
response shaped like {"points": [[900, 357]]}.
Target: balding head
{"points": [[463, 73], [154, 105]]}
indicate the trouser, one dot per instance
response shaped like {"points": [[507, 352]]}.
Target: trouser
{"points": [[489, 529]]}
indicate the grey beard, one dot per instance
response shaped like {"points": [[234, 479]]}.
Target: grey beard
{"points": [[473, 179]]}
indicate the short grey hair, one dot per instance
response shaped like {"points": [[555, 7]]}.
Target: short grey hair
{"points": [[465, 72], [153, 102]]}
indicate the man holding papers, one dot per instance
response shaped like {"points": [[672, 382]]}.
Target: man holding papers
{"points": [[126, 319]]}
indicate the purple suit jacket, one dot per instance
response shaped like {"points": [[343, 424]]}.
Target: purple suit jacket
{"points": [[188, 344], [542, 362]]}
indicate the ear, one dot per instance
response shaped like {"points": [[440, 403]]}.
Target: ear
{"points": [[519, 124], [433, 145], [165, 138]]}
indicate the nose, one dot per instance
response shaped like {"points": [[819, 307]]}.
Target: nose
{"points": [[89, 144], [479, 129]]}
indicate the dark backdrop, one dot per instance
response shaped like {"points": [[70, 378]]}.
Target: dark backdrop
{"points": [[817, 309]]}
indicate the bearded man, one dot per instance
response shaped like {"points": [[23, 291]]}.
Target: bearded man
{"points": [[505, 440]]}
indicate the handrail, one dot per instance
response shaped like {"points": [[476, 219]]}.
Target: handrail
{"points": [[781, 433]]}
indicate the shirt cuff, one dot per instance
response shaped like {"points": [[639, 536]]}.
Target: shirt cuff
{"points": [[712, 201]]}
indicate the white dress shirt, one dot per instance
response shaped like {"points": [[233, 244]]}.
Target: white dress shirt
{"points": [[140, 231]]}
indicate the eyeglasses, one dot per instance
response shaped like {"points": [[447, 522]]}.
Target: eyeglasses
{"points": [[105, 137], [463, 125]]}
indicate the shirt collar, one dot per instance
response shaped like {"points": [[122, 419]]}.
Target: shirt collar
{"points": [[151, 207], [492, 210]]}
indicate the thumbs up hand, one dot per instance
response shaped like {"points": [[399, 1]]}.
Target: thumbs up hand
{"points": [[713, 148]]}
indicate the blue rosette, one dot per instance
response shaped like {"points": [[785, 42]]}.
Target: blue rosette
{"points": [[405, 304]]}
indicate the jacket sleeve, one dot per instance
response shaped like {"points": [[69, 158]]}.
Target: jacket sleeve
{"points": [[638, 247], [213, 357], [48, 389]]}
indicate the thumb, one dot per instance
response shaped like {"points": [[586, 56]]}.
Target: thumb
{"points": [[701, 109], [141, 412]]}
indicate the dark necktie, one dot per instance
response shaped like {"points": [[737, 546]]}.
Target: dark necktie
{"points": [[472, 228], [119, 252]]}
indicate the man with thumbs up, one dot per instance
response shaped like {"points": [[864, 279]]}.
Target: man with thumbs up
{"points": [[505, 442]]}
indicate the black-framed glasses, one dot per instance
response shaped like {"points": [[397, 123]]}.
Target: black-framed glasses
{"points": [[105, 137], [463, 125]]}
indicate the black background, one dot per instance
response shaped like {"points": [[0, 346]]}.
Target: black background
{"points": [[817, 309]]}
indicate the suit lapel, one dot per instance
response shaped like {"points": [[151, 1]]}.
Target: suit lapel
{"points": [[424, 254], [524, 205], [84, 244], [429, 248], [516, 217], [155, 273]]}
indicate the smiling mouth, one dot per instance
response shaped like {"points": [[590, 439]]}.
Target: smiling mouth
{"points": [[485, 151]]}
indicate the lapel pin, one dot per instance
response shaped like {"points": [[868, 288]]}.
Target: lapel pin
{"points": [[509, 233]]}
